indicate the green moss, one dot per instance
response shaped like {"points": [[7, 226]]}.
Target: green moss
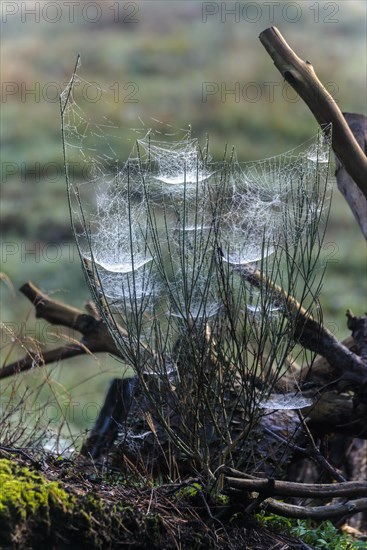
{"points": [[26, 499], [188, 492], [34, 513]]}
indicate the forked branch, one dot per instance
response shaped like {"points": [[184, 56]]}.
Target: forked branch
{"points": [[95, 336]]}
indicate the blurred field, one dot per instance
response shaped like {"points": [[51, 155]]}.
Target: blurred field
{"points": [[179, 62]]}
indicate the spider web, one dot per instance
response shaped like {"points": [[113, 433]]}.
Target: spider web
{"points": [[167, 235], [169, 203]]}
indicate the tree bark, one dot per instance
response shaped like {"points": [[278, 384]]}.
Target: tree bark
{"points": [[351, 192]]}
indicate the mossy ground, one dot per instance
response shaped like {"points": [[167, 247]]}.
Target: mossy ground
{"points": [[36, 512], [27, 502], [69, 504]]}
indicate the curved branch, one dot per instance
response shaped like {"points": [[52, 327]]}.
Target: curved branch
{"points": [[302, 77]]}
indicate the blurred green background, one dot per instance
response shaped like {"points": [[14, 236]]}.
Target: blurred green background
{"points": [[179, 63]]}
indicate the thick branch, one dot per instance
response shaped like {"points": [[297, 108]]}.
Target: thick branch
{"points": [[321, 371], [309, 333], [316, 512], [302, 77], [315, 337], [347, 489]]}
